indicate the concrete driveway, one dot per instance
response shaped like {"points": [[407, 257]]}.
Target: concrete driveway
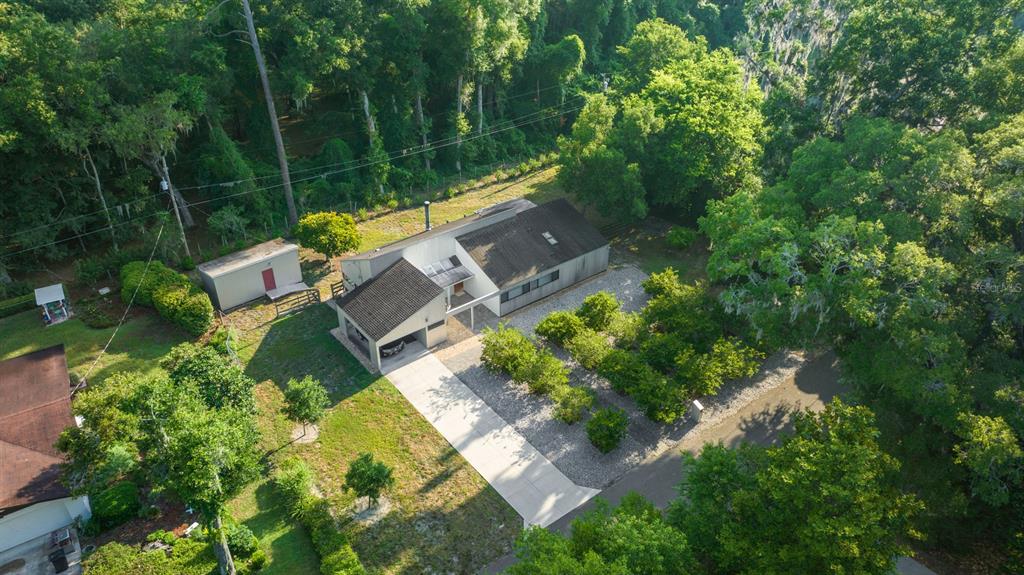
{"points": [[531, 484]]}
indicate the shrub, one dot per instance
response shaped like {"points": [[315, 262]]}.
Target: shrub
{"points": [[572, 403], [626, 328], [704, 374], [544, 374], [368, 477], [392, 204], [624, 370], [115, 505], [588, 347], [344, 561], [362, 214], [148, 282], [681, 238], [187, 307], [558, 327], [17, 304], [661, 283], [607, 428], [187, 263], [167, 537], [257, 562], [661, 350], [506, 349], [328, 233], [660, 398], [293, 479], [241, 540], [598, 310]]}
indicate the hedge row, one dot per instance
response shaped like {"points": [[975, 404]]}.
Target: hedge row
{"points": [[175, 298], [509, 351], [294, 480], [17, 304]]}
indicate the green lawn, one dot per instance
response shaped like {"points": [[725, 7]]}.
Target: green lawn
{"points": [[538, 187], [139, 344], [446, 517]]}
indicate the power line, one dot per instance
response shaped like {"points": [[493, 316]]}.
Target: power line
{"points": [[152, 253]]}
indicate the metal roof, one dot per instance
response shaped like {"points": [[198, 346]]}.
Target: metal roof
{"points": [[50, 294], [36, 408], [516, 249], [383, 302], [246, 257]]}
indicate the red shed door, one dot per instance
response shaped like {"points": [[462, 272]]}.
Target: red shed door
{"points": [[268, 279]]}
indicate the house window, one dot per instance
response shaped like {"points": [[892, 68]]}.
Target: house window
{"points": [[523, 288]]}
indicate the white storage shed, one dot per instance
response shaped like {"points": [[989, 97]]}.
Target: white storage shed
{"points": [[243, 276]]}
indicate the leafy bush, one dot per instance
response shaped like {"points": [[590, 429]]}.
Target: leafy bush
{"points": [[607, 428], [626, 328], [661, 283], [659, 397], [681, 238], [167, 537], [588, 347], [704, 374], [257, 561], [186, 306], [598, 310], [624, 370], [293, 479], [241, 540], [506, 349], [558, 327], [115, 505], [337, 556], [544, 374], [148, 282], [228, 222], [188, 557], [344, 561], [328, 233], [572, 403], [661, 350]]}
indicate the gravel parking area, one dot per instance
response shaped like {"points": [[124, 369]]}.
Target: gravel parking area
{"points": [[623, 281], [567, 446]]}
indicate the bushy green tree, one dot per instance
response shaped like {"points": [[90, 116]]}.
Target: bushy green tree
{"points": [[328, 233], [368, 477], [598, 309], [560, 326], [305, 400]]}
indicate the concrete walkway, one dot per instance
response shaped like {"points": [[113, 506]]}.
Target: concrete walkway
{"points": [[531, 484]]}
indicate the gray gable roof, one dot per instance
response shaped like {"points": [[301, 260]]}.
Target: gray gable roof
{"points": [[515, 249], [380, 304]]}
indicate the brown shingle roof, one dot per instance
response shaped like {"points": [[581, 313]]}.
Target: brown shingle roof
{"points": [[35, 407], [381, 303], [514, 250]]}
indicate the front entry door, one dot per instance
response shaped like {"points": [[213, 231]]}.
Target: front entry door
{"points": [[268, 279]]}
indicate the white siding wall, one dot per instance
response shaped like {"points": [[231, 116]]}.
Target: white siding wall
{"points": [[246, 284], [40, 519], [569, 273], [431, 313]]}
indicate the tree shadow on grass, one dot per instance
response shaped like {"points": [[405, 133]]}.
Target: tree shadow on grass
{"points": [[289, 544]]}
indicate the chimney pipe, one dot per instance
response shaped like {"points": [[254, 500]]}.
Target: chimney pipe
{"points": [[426, 213]]}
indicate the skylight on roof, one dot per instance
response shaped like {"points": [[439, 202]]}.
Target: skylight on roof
{"points": [[550, 238]]}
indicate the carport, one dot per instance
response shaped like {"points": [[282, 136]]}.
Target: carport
{"points": [[394, 309]]}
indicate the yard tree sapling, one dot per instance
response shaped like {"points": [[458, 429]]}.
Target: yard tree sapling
{"points": [[328, 233], [368, 477], [597, 310], [306, 400]]}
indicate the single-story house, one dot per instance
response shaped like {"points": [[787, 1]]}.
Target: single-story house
{"points": [[36, 510], [252, 273], [503, 258]]}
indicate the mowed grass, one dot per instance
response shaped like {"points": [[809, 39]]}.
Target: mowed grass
{"points": [[538, 187], [139, 345], [446, 518]]}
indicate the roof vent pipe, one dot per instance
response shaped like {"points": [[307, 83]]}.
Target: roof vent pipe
{"points": [[426, 213]]}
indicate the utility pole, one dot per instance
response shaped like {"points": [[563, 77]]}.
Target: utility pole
{"points": [[282, 159], [165, 185]]}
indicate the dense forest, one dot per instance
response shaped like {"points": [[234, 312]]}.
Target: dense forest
{"points": [[856, 165]]}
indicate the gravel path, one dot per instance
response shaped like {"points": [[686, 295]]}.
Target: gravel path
{"points": [[567, 446], [623, 281]]}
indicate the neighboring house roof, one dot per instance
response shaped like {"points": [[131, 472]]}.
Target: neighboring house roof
{"points": [[518, 205], [517, 249], [380, 304], [246, 257], [36, 408]]}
